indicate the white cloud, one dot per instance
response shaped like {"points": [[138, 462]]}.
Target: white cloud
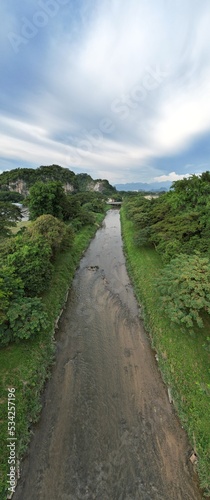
{"points": [[171, 177], [184, 114], [81, 72]]}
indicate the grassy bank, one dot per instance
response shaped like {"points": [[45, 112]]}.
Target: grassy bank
{"points": [[19, 226], [25, 366], [184, 359]]}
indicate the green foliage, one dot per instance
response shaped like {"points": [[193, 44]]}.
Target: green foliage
{"points": [[11, 196], [177, 221], [55, 233], [117, 196], [9, 215], [31, 260], [96, 206], [50, 199], [26, 317], [26, 364], [80, 208], [86, 217], [56, 173], [27, 259], [11, 287], [95, 199], [28, 175], [185, 289], [45, 174], [46, 198], [20, 316], [183, 358], [83, 180], [72, 207], [86, 183], [106, 188]]}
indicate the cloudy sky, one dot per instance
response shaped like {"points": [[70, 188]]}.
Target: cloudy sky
{"points": [[119, 89]]}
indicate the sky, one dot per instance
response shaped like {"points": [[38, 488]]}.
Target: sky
{"points": [[115, 88]]}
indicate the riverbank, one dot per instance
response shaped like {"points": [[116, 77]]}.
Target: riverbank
{"points": [[107, 429], [183, 359], [25, 366]]}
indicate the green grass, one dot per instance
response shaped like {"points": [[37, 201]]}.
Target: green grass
{"points": [[184, 359], [19, 226], [26, 366]]}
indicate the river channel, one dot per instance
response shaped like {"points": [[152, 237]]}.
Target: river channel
{"points": [[107, 430]]}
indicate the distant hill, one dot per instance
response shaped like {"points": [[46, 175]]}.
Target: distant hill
{"points": [[21, 179], [143, 186]]}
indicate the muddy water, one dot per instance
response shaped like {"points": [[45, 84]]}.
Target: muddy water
{"points": [[107, 430]]}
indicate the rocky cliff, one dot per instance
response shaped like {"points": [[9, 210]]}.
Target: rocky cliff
{"points": [[21, 180]]}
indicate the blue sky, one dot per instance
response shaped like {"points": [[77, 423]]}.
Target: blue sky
{"points": [[115, 88]]}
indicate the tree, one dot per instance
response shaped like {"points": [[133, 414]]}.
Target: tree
{"points": [[11, 196], [185, 289], [71, 207], [9, 215], [57, 234], [32, 262], [46, 198], [20, 316], [176, 222], [11, 287]]}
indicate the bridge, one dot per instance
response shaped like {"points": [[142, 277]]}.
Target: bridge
{"points": [[114, 203]]}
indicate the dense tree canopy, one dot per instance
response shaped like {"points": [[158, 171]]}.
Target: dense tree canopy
{"points": [[50, 199], [20, 316], [27, 259], [9, 215], [11, 196], [41, 174], [46, 198], [177, 223], [78, 182], [54, 232]]}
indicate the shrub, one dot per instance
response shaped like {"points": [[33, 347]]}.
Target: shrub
{"points": [[31, 260], [185, 289], [11, 287], [55, 232], [25, 317]]}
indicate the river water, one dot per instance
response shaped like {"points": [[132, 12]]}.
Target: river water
{"points": [[107, 430]]}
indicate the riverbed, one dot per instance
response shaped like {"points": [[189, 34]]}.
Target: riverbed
{"points": [[107, 430]]}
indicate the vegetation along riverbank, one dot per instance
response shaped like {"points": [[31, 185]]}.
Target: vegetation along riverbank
{"points": [[168, 263], [37, 267]]}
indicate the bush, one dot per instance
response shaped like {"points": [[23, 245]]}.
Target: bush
{"points": [[24, 319], [20, 316], [56, 233], [12, 196], [31, 260], [11, 287], [185, 289], [86, 217]]}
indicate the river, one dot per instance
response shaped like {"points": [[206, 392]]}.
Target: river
{"points": [[107, 430]]}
